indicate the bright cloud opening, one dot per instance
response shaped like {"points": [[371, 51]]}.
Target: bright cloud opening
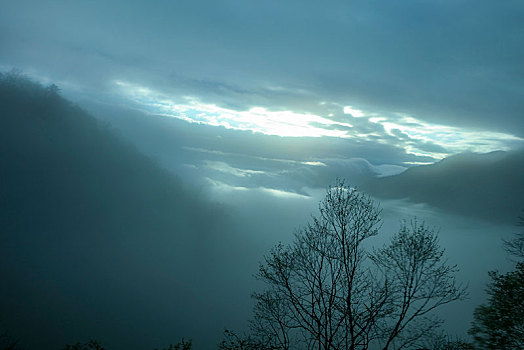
{"points": [[353, 112], [226, 188], [228, 169], [450, 139], [415, 136], [257, 119]]}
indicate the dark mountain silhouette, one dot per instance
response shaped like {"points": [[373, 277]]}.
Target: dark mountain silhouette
{"points": [[489, 186], [97, 240]]}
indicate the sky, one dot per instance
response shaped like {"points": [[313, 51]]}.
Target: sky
{"points": [[434, 78], [259, 105]]}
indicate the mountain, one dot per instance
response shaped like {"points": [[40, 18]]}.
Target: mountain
{"points": [[488, 186], [96, 239]]}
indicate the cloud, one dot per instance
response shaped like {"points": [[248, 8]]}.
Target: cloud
{"points": [[415, 136], [221, 188], [198, 151], [256, 119], [141, 255], [353, 112], [160, 136], [226, 168], [438, 140], [461, 66]]}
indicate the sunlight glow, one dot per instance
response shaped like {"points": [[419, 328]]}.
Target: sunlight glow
{"points": [[354, 112], [288, 161], [256, 119], [228, 169], [450, 139], [223, 187], [282, 194], [400, 130]]}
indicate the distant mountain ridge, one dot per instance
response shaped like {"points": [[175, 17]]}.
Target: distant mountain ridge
{"points": [[489, 186]]}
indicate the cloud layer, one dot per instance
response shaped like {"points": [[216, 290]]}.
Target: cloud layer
{"points": [[456, 64]]}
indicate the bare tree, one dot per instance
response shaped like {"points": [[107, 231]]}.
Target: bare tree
{"points": [[419, 281], [327, 291]]}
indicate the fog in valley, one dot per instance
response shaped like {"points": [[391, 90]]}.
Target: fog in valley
{"points": [[152, 155]]}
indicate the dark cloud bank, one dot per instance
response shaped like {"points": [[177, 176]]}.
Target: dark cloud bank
{"points": [[450, 62]]}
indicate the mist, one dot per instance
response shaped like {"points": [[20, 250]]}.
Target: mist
{"points": [[99, 240], [109, 234], [152, 154]]}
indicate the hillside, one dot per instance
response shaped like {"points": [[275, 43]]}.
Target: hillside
{"points": [[95, 238], [488, 186]]}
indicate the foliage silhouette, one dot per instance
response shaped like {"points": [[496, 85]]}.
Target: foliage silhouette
{"points": [[436, 340], [234, 341], [182, 345], [90, 345], [96, 345], [499, 324], [8, 343]]}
